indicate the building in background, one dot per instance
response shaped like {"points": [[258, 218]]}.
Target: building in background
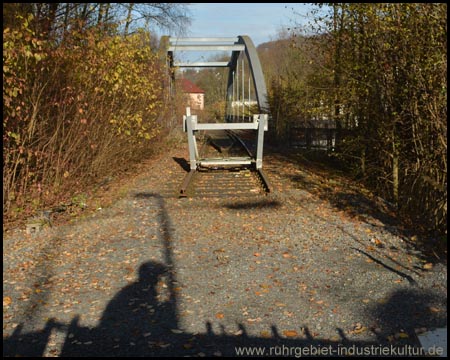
{"points": [[195, 97]]}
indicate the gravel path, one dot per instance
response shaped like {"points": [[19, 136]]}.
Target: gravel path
{"points": [[311, 266]]}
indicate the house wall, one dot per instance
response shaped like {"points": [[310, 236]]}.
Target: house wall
{"points": [[196, 101]]}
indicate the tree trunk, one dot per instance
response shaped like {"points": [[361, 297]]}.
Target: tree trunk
{"points": [[395, 172], [129, 18]]}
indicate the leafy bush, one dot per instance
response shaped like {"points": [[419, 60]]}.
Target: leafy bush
{"points": [[74, 111]]}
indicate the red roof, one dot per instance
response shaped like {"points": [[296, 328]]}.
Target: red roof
{"points": [[191, 88]]}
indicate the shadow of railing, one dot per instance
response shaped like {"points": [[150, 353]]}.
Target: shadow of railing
{"points": [[157, 334]]}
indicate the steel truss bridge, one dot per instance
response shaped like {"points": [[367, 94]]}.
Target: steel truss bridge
{"points": [[245, 86]]}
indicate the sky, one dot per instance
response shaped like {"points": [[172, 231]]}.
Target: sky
{"points": [[260, 21]]}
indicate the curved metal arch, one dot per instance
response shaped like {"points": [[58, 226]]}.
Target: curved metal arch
{"points": [[259, 83]]}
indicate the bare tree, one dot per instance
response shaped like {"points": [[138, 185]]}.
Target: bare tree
{"points": [[168, 16]]}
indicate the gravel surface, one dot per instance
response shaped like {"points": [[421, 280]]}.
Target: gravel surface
{"points": [[313, 266]]}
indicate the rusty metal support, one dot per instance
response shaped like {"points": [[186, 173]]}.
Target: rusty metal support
{"points": [[265, 182], [186, 181]]}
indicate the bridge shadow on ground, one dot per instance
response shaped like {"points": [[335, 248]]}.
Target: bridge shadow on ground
{"points": [[183, 163], [136, 322]]}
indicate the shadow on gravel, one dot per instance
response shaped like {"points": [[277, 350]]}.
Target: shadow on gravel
{"points": [[138, 321], [183, 163], [407, 310], [387, 267], [135, 323], [321, 179], [253, 204]]}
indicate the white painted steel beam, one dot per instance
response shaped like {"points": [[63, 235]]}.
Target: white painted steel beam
{"points": [[228, 161], [225, 126], [174, 40], [181, 47], [203, 64]]}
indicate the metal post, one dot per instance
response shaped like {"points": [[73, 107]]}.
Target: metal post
{"points": [[193, 152], [249, 96], [243, 87], [262, 121], [237, 91], [232, 101]]}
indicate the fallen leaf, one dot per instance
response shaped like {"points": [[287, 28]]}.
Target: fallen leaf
{"points": [[290, 333], [378, 243], [434, 309], [428, 266], [359, 330], [258, 319], [420, 330], [7, 301], [220, 315]]}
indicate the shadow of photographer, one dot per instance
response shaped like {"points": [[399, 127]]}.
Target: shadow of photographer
{"points": [[134, 322]]}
